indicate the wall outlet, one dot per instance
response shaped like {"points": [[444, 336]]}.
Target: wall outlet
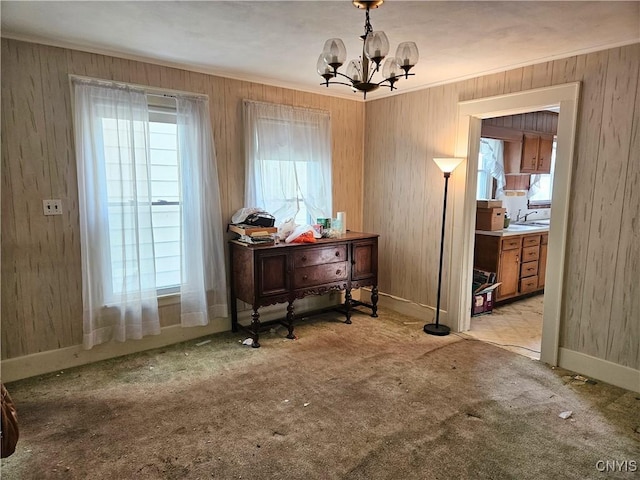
{"points": [[52, 207]]}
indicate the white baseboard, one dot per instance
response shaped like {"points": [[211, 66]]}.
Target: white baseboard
{"points": [[599, 369], [411, 309], [60, 359]]}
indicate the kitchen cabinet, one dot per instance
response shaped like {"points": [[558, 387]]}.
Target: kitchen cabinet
{"points": [[508, 272], [530, 263], [500, 255], [518, 260], [542, 263], [264, 275], [536, 153]]}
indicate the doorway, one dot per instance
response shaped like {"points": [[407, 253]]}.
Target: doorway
{"points": [[470, 115], [515, 173]]}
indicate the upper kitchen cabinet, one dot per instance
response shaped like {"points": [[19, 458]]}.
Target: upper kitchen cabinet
{"points": [[528, 144], [536, 153]]}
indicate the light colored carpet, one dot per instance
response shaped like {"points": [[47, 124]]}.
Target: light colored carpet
{"points": [[378, 399]]}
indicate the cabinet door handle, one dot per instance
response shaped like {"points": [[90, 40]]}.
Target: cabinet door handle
{"points": [[517, 259]]}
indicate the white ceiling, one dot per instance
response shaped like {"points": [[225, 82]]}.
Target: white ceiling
{"points": [[278, 43]]}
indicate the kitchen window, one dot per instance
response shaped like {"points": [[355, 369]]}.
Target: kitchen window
{"points": [[491, 177], [541, 187]]}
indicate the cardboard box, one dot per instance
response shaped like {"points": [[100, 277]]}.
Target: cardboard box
{"points": [[483, 292], [482, 303], [489, 204], [490, 219]]}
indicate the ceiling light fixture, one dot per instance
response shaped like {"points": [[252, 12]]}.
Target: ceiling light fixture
{"points": [[374, 50]]}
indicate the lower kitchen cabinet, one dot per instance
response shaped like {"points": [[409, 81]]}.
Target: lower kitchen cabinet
{"points": [[542, 263], [518, 260]]}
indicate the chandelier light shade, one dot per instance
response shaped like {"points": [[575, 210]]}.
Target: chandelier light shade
{"points": [[375, 49]]}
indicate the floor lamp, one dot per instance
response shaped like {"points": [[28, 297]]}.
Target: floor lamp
{"points": [[447, 165]]}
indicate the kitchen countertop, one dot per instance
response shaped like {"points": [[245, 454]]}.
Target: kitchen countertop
{"points": [[515, 230]]}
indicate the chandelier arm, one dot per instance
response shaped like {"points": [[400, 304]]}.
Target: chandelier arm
{"points": [[327, 83], [345, 76], [396, 78], [373, 70]]}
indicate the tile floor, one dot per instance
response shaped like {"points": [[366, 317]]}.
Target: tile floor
{"points": [[516, 326]]}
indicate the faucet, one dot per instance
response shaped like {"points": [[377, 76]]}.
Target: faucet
{"points": [[524, 217]]}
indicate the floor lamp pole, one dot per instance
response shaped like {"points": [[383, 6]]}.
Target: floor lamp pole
{"points": [[436, 328]]}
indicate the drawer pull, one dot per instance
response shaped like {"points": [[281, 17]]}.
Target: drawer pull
{"points": [[337, 272], [304, 259], [305, 277], [337, 254]]}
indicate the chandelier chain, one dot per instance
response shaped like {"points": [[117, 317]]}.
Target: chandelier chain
{"points": [[367, 26]]}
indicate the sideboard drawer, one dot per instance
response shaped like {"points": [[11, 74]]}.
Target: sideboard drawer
{"points": [[319, 256], [320, 274]]}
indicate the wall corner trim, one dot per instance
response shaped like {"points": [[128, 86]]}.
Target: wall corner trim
{"points": [[603, 370]]}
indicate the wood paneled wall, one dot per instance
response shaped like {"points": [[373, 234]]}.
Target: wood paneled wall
{"points": [[41, 277], [396, 191], [403, 193], [543, 122]]}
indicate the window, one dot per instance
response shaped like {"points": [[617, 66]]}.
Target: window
{"points": [[165, 226], [149, 204], [288, 161], [491, 178], [540, 191]]}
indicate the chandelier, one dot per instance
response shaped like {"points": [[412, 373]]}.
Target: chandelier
{"points": [[359, 74]]}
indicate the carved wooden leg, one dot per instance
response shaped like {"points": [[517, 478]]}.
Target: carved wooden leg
{"points": [[290, 320], [374, 301], [255, 327], [347, 305]]}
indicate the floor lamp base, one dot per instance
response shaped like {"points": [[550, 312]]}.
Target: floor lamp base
{"points": [[439, 330]]}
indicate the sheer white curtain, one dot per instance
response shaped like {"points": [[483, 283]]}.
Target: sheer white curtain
{"points": [[288, 160], [116, 201], [491, 166], [118, 266], [203, 292]]}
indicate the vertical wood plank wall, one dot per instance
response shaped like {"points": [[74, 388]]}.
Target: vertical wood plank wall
{"points": [[390, 186], [403, 192], [41, 276]]}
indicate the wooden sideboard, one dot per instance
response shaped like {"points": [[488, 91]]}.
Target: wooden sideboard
{"points": [[266, 275]]}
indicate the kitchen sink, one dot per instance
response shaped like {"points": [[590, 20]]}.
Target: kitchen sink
{"points": [[519, 226], [532, 224]]}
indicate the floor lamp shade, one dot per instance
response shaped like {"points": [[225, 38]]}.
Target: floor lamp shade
{"points": [[447, 165]]}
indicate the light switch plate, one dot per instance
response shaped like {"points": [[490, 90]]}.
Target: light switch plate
{"points": [[52, 207]]}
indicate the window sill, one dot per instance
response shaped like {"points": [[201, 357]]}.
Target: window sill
{"points": [[539, 204], [169, 299]]}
